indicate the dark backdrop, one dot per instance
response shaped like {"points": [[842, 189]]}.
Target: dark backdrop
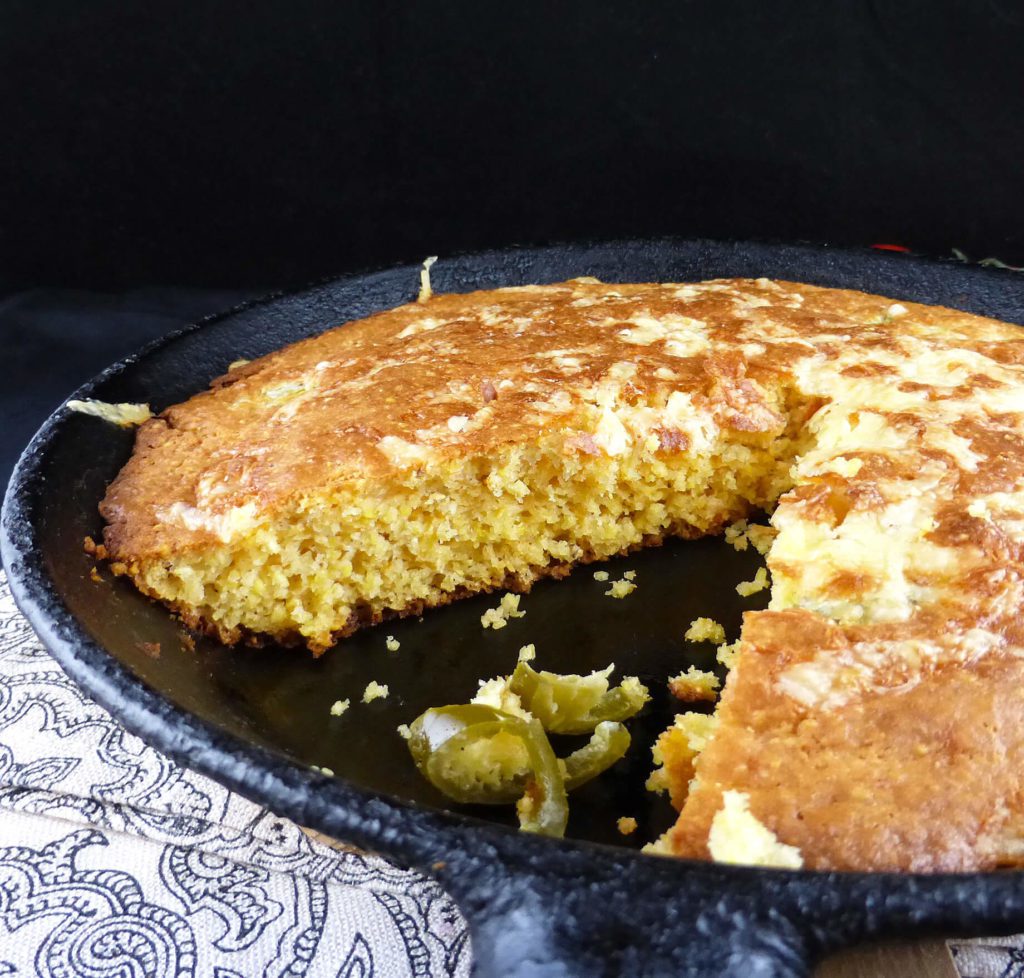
{"points": [[265, 143]]}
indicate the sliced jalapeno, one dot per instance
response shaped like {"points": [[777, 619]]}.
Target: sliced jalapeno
{"points": [[477, 754], [569, 704], [608, 744]]}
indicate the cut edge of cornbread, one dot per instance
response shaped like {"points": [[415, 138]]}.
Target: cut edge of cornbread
{"points": [[316, 568]]}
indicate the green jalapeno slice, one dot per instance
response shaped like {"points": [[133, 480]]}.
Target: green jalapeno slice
{"points": [[569, 704]]}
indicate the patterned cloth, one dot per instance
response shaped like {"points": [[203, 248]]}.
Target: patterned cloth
{"points": [[116, 861]]}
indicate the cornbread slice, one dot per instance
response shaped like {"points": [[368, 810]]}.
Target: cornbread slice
{"points": [[475, 442], [464, 443]]}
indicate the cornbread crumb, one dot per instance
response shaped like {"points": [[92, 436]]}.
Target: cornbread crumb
{"points": [[392, 644], [123, 415], [745, 588], [498, 617], [620, 588], [736, 836], [94, 576], [375, 691], [705, 630], [675, 751], [694, 684], [323, 770], [736, 535], [528, 653], [726, 654], [742, 534], [601, 575], [762, 537], [339, 707], [659, 847], [235, 364], [425, 290], [630, 575], [403, 731], [626, 825]]}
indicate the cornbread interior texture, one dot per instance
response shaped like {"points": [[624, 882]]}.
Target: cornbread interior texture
{"points": [[481, 441]]}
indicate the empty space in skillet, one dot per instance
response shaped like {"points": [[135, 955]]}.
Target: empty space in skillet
{"points": [[281, 698]]}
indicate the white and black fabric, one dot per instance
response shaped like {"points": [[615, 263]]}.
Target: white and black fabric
{"points": [[114, 861]]}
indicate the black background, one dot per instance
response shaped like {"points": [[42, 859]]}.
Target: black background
{"points": [[201, 151], [266, 143]]}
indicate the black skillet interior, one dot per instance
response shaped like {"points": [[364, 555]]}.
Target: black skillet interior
{"points": [[251, 716]]}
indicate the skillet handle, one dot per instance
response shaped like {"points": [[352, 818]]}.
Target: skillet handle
{"points": [[568, 914]]}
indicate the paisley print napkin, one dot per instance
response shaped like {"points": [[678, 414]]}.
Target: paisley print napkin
{"points": [[114, 861]]}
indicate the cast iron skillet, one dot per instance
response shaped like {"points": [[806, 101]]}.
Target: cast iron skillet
{"points": [[257, 720]]}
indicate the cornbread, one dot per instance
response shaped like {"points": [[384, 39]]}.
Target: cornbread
{"points": [[621, 588], [694, 684], [873, 718], [726, 654], [508, 608], [375, 691], [626, 825], [746, 588], [705, 630]]}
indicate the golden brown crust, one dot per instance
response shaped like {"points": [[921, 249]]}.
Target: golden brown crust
{"points": [[921, 770]]}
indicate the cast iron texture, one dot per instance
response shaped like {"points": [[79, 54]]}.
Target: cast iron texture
{"points": [[535, 906]]}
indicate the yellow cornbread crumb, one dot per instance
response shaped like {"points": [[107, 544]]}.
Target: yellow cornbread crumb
{"points": [[339, 707], [621, 588], [392, 644], [741, 534], [705, 630], [736, 535], [626, 825], [762, 537], [745, 588], [323, 770], [630, 575], [726, 654], [403, 731], [600, 575], [528, 653], [694, 684], [736, 836], [676, 749], [498, 617], [375, 691]]}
